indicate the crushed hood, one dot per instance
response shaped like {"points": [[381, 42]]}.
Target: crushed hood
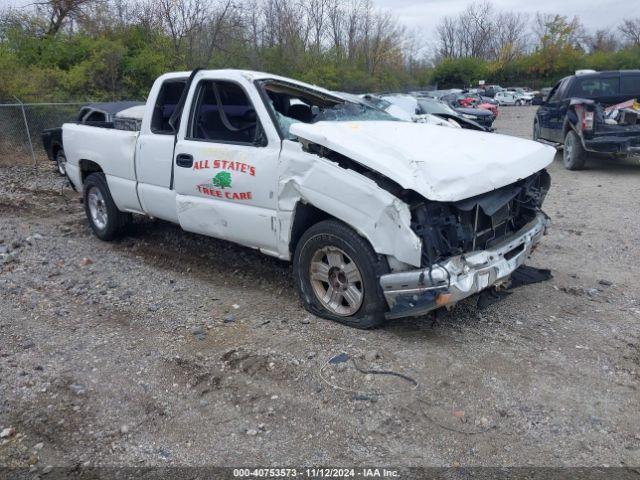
{"points": [[441, 164]]}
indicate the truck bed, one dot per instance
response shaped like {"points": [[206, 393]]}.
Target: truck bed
{"points": [[113, 150]]}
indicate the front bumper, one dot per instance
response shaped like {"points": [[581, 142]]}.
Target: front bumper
{"points": [[417, 292]]}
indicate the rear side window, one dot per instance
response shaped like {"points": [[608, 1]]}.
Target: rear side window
{"points": [[166, 103], [96, 117], [596, 87], [223, 113], [630, 85]]}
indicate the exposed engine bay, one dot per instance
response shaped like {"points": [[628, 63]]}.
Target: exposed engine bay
{"points": [[448, 229], [477, 223]]}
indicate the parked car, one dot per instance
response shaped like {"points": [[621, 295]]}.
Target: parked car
{"points": [[523, 94], [592, 112], [441, 93], [93, 114], [405, 107], [469, 100], [397, 106], [506, 97], [491, 90], [540, 96], [381, 218], [479, 115], [441, 109], [478, 95]]}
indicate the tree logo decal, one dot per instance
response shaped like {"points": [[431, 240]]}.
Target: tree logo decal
{"points": [[222, 180]]}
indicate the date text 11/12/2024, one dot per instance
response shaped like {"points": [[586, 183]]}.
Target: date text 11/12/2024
{"points": [[316, 473]]}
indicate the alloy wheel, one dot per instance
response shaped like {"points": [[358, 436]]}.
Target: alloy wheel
{"points": [[97, 208], [336, 281]]}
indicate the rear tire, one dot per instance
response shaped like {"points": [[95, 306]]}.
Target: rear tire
{"points": [[106, 221], [61, 163], [573, 155], [337, 274]]}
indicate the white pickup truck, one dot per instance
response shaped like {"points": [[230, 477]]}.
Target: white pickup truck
{"points": [[381, 218]]}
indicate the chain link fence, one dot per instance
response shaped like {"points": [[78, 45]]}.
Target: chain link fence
{"points": [[21, 126]]}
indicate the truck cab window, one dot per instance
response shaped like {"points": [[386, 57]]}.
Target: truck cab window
{"points": [[223, 113], [597, 87], [630, 85], [96, 116], [166, 102]]}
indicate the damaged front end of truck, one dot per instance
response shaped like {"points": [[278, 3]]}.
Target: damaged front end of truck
{"points": [[469, 245], [452, 221]]}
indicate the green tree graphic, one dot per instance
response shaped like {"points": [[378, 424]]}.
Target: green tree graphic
{"points": [[222, 180]]}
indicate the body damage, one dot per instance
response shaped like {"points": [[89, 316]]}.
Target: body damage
{"points": [[466, 164], [427, 198], [598, 130], [376, 214]]}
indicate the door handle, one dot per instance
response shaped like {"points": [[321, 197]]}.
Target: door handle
{"points": [[184, 160]]}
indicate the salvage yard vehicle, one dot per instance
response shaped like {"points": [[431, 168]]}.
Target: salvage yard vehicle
{"points": [[473, 100], [586, 113], [525, 93], [432, 106], [402, 107], [93, 114], [381, 218], [506, 97], [478, 115]]}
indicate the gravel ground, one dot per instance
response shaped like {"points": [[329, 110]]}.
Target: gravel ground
{"points": [[166, 348]]}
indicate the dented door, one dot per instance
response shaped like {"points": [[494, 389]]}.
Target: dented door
{"points": [[225, 169]]}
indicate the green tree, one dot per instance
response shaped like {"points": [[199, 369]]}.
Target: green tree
{"points": [[459, 72], [222, 180]]}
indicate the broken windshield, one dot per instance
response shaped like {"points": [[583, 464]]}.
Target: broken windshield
{"points": [[291, 103]]}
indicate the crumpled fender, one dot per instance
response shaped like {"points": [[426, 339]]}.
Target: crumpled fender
{"points": [[380, 217]]}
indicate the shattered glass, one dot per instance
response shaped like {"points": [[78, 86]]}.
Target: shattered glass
{"points": [[284, 123], [349, 112]]}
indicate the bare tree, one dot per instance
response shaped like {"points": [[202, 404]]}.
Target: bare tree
{"points": [[630, 30], [447, 38], [602, 41], [479, 31], [182, 18], [59, 12], [510, 37], [317, 12]]}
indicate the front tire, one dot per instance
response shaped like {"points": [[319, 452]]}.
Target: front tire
{"points": [[518, 103], [61, 163], [106, 221], [337, 275], [573, 155]]}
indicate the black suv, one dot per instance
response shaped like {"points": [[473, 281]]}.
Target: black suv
{"points": [[575, 115]]}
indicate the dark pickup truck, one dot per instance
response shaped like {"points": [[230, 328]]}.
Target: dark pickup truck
{"points": [[580, 114], [97, 114]]}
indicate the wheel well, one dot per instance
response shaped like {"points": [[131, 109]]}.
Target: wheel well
{"points": [[88, 167], [305, 216]]}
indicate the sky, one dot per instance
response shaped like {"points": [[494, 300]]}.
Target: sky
{"points": [[594, 14], [426, 14]]}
